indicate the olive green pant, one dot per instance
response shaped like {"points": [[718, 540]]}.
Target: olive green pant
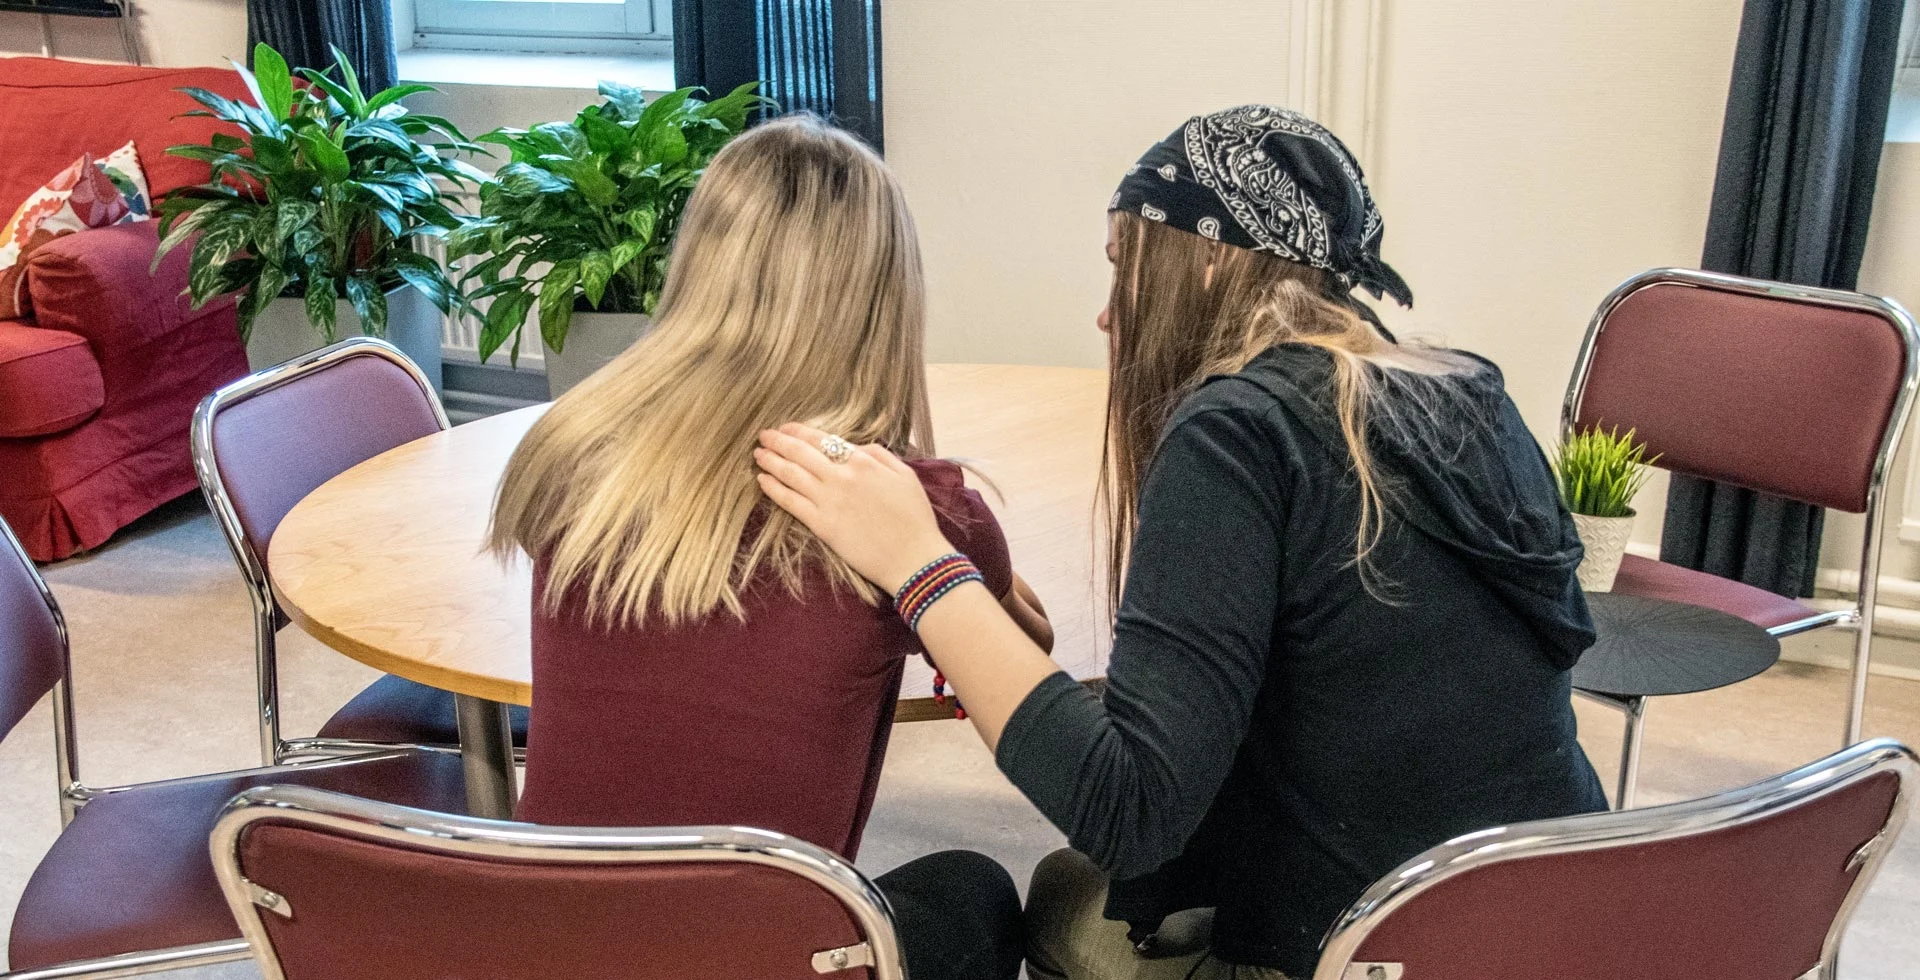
{"points": [[1069, 939]]}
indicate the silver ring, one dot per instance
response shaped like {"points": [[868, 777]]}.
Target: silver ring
{"points": [[836, 449]]}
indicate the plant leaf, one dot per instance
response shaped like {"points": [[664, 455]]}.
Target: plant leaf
{"points": [[556, 303], [320, 305], [370, 301], [503, 320], [271, 82], [395, 94], [352, 80], [425, 275], [596, 267], [325, 155]]}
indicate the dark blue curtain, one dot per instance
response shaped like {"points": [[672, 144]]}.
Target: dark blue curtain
{"points": [[1799, 154], [306, 31], [820, 56]]}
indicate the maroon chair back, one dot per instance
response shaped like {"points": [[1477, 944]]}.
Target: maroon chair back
{"points": [[266, 441], [33, 640], [1756, 884], [1788, 390], [330, 887]]}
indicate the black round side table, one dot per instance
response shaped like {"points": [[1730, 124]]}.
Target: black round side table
{"points": [[1653, 647]]}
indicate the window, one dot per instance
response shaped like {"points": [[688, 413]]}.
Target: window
{"points": [[601, 26], [1903, 114]]}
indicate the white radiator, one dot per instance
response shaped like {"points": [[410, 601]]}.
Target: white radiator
{"points": [[460, 335]]}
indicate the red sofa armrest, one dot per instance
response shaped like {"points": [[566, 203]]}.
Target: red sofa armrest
{"points": [[96, 284]]}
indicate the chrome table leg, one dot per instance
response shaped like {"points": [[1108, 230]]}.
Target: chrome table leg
{"points": [[486, 749]]}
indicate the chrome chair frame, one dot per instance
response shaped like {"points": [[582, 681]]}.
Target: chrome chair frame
{"points": [[1598, 831], [74, 795], [266, 608], [1860, 617], [523, 843]]}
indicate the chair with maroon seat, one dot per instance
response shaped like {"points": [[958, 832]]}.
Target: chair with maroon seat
{"points": [[1789, 390], [331, 887], [1753, 884], [128, 887], [266, 441]]}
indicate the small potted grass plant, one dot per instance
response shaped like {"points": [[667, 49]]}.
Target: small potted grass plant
{"points": [[1600, 472]]}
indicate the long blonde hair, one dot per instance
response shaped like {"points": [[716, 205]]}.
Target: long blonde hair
{"points": [[794, 292], [1185, 307]]}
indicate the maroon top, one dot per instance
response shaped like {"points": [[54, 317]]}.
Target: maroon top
{"points": [[778, 722]]}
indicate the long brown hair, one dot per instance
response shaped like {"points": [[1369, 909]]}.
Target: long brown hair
{"points": [[1185, 307], [795, 292]]}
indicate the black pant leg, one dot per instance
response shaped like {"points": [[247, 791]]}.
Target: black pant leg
{"points": [[958, 916]]}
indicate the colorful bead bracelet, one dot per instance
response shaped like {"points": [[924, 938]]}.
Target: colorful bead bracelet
{"points": [[923, 589], [940, 576]]}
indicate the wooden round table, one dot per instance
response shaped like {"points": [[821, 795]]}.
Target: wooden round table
{"points": [[384, 563]]}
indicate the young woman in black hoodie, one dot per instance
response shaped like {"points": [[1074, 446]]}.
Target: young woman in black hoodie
{"points": [[1349, 605]]}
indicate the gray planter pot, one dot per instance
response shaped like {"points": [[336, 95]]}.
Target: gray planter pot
{"points": [[282, 333], [593, 339]]}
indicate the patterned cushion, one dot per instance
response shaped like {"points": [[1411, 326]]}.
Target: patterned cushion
{"points": [[122, 166], [89, 194]]}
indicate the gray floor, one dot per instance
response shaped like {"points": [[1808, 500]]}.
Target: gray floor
{"points": [[164, 683]]}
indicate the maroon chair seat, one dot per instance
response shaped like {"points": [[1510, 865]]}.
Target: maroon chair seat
{"points": [[331, 887], [1757, 882], [132, 871], [1660, 580], [128, 888], [394, 709]]}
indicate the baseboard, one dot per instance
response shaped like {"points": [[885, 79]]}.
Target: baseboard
{"points": [[475, 391], [495, 380]]}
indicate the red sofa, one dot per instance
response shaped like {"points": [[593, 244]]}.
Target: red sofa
{"points": [[96, 391]]}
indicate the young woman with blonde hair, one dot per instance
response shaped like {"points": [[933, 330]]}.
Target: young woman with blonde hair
{"points": [[699, 657], [1349, 605]]}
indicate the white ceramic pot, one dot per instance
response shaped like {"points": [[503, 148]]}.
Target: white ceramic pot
{"points": [[593, 339], [1605, 539], [281, 332]]}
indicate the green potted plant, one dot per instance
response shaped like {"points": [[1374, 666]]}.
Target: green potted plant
{"points": [[312, 216], [580, 221], [1599, 473]]}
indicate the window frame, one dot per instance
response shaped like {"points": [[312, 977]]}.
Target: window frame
{"points": [[607, 26]]}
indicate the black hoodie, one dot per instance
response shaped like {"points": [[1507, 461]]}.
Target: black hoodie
{"points": [[1276, 735]]}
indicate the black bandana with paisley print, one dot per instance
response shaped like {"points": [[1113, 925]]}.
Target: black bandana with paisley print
{"points": [[1271, 180]]}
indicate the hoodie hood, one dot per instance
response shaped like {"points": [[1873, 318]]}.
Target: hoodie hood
{"points": [[1457, 463]]}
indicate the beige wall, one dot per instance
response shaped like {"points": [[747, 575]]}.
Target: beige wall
{"points": [[1010, 122], [172, 32], [1891, 268], [1533, 155]]}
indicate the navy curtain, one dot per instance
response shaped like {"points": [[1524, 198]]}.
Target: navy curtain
{"points": [[1799, 154], [820, 56], [306, 31]]}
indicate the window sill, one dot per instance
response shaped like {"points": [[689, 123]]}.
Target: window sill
{"points": [[440, 66], [1903, 114]]}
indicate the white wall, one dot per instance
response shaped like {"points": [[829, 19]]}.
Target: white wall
{"points": [[172, 32], [1011, 121], [1533, 155], [1891, 268]]}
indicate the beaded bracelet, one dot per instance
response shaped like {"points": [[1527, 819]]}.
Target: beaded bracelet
{"points": [[922, 590], [925, 587]]}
